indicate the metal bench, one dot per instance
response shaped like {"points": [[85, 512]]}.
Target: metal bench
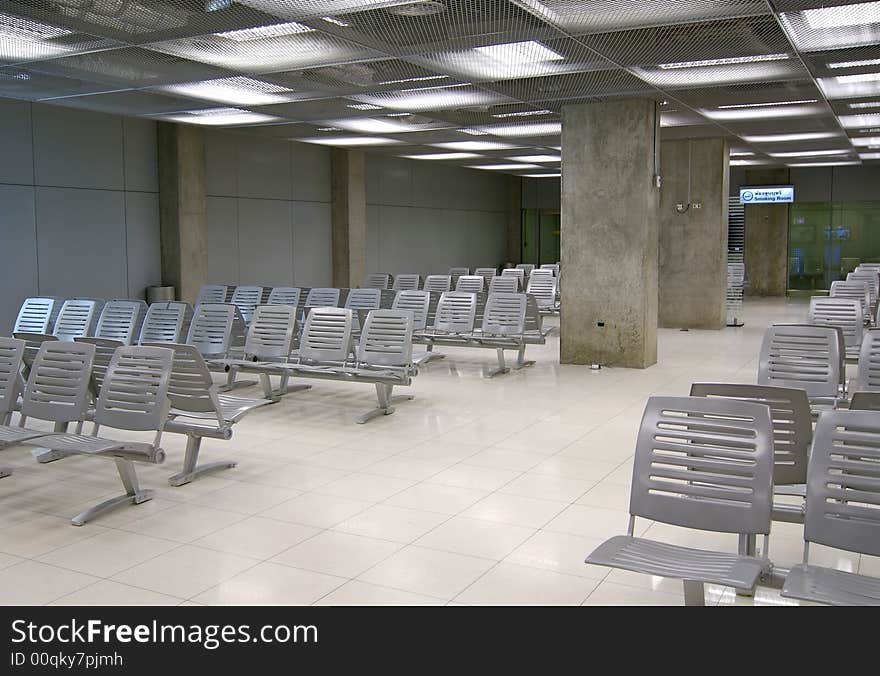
{"points": [[805, 357], [868, 374], [487, 274], [872, 279], [517, 273], [166, 322], [361, 301], [133, 398], [322, 297], [844, 313], [705, 464], [857, 290], [200, 411], [214, 293], [383, 357], [543, 288], [284, 295], [38, 315], [417, 302], [438, 283], [843, 508], [502, 284], [377, 280], [246, 298], [526, 268]]}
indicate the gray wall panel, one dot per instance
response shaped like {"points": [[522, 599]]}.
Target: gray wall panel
{"points": [[263, 168], [141, 167], [220, 164], [373, 238], [310, 172], [264, 242], [18, 251], [142, 242], [312, 253], [81, 242], [17, 156], [222, 240], [78, 149], [486, 233]]}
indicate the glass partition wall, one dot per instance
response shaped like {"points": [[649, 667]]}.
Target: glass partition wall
{"points": [[826, 240], [540, 236]]}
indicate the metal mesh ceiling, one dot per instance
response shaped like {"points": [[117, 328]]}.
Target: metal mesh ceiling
{"points": [[406, 74]]}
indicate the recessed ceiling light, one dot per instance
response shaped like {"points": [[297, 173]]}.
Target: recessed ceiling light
{"points": [[765, 112], [823, 164], [733, 106], [441, 156], [219, 117], [523, 113], [537, 158], [336, 22], [329, 129], [398, 114], [833, 88], [864, 104], [519, 53], [241, 91], [722, 62], [841, 16], [276, 30], [861, 77], [369, 125], [812, 153], [870, 156], [742, 153], [351, 141], [784, 138], [434, 87], [423, 78], [474, 145], [697, 76], [363, 106], [28, 29], [854, 64], [505, 167], [746, 163], [432, 98], [536, 129], [541, 175], [856, 121], [866, 141], [472, 132]]}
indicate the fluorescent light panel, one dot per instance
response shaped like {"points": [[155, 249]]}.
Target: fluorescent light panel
{"points": [[242, 91], [860, 77], [423, 78], [824, 164], [370, 125], [784, 138], [870, 156], [746, 163], [853, 64], [333, 20], [864, 104], [441, 156], [733, 106], [276, 30], [541, 175], [523, 113], [505, 167], [220, 117], [519, 53], [857, 121], [866, 141], [536, 158], [842, 16], [812, 153], [765, 113], [474, 145], [536, 129], [363, 106], [722, 62], [351, 141]]}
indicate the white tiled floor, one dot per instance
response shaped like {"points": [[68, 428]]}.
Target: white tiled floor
{"points": [[477, 492]]}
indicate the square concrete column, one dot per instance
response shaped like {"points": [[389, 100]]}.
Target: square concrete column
{"points": [[693, 233], [348, 216], [609, 240], [183, 211], [766, 246]]}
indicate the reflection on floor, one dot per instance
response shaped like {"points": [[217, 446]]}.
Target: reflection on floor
{"points": [[477, 492]]}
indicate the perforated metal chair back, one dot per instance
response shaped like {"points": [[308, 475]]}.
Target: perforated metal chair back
{"points": [[284, 295], [487, 274], [210, 331], [134, 395], [801, 356], [327, 335], [271, 333], [38, 315], [543, 288], [505, 314], [502, 284], [11, 355], [516, 273], [212, 293], [76, 318], [856, 289], [247, 298], [416, 302], [322, 297], [868, 375], [456, 312], [873, 280], [789, 415], [121, 320], [377, 280], [526, 268], [470, 284], [57, 388], [166, 322], [104, 349], [542, 272], [438, 283], [406, 282], [190, 386], [704, 463], [845, 313], [386, 339], [362, 299], [843, 485]]}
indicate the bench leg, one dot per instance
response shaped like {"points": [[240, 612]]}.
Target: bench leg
{"points": [[191, 469], [521, 361], [429, 356], [45, 455], [5, 471], [383, 394], [232, 383], [694, 594], [134, 494], [502, 367], [747, 547]]}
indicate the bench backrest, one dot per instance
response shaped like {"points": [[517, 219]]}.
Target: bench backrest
{"points": [[386, 339], [456, 312], [377, 280], [856, 289], [470, 284], [57, 388], [844, 313], [322, 297], [247, 298], [76, 318], [121, 320], [212, 293], [190, 387], [406, 282], [801, 356], [868, 374], [284, 295], [271, 333], [543, 288], [327, 336], [134, 395], [438, 283], [505, 314], [502, 284], [11, 356], [38, 315], [166, 322], [211, 329], [416, 302]]}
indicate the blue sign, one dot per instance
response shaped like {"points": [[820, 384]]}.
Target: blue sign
{"points": [[767, 194]]}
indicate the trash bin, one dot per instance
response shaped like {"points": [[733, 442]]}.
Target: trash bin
{"points": [[159, 294]]}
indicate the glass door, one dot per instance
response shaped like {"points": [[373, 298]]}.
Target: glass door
{"points": [[540, 236]]}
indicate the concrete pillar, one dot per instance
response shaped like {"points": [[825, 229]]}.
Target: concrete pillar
{"points": [[514, 219], [183, 213], [348, 215], [693, 239], [766, 249], [610, 220]]}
